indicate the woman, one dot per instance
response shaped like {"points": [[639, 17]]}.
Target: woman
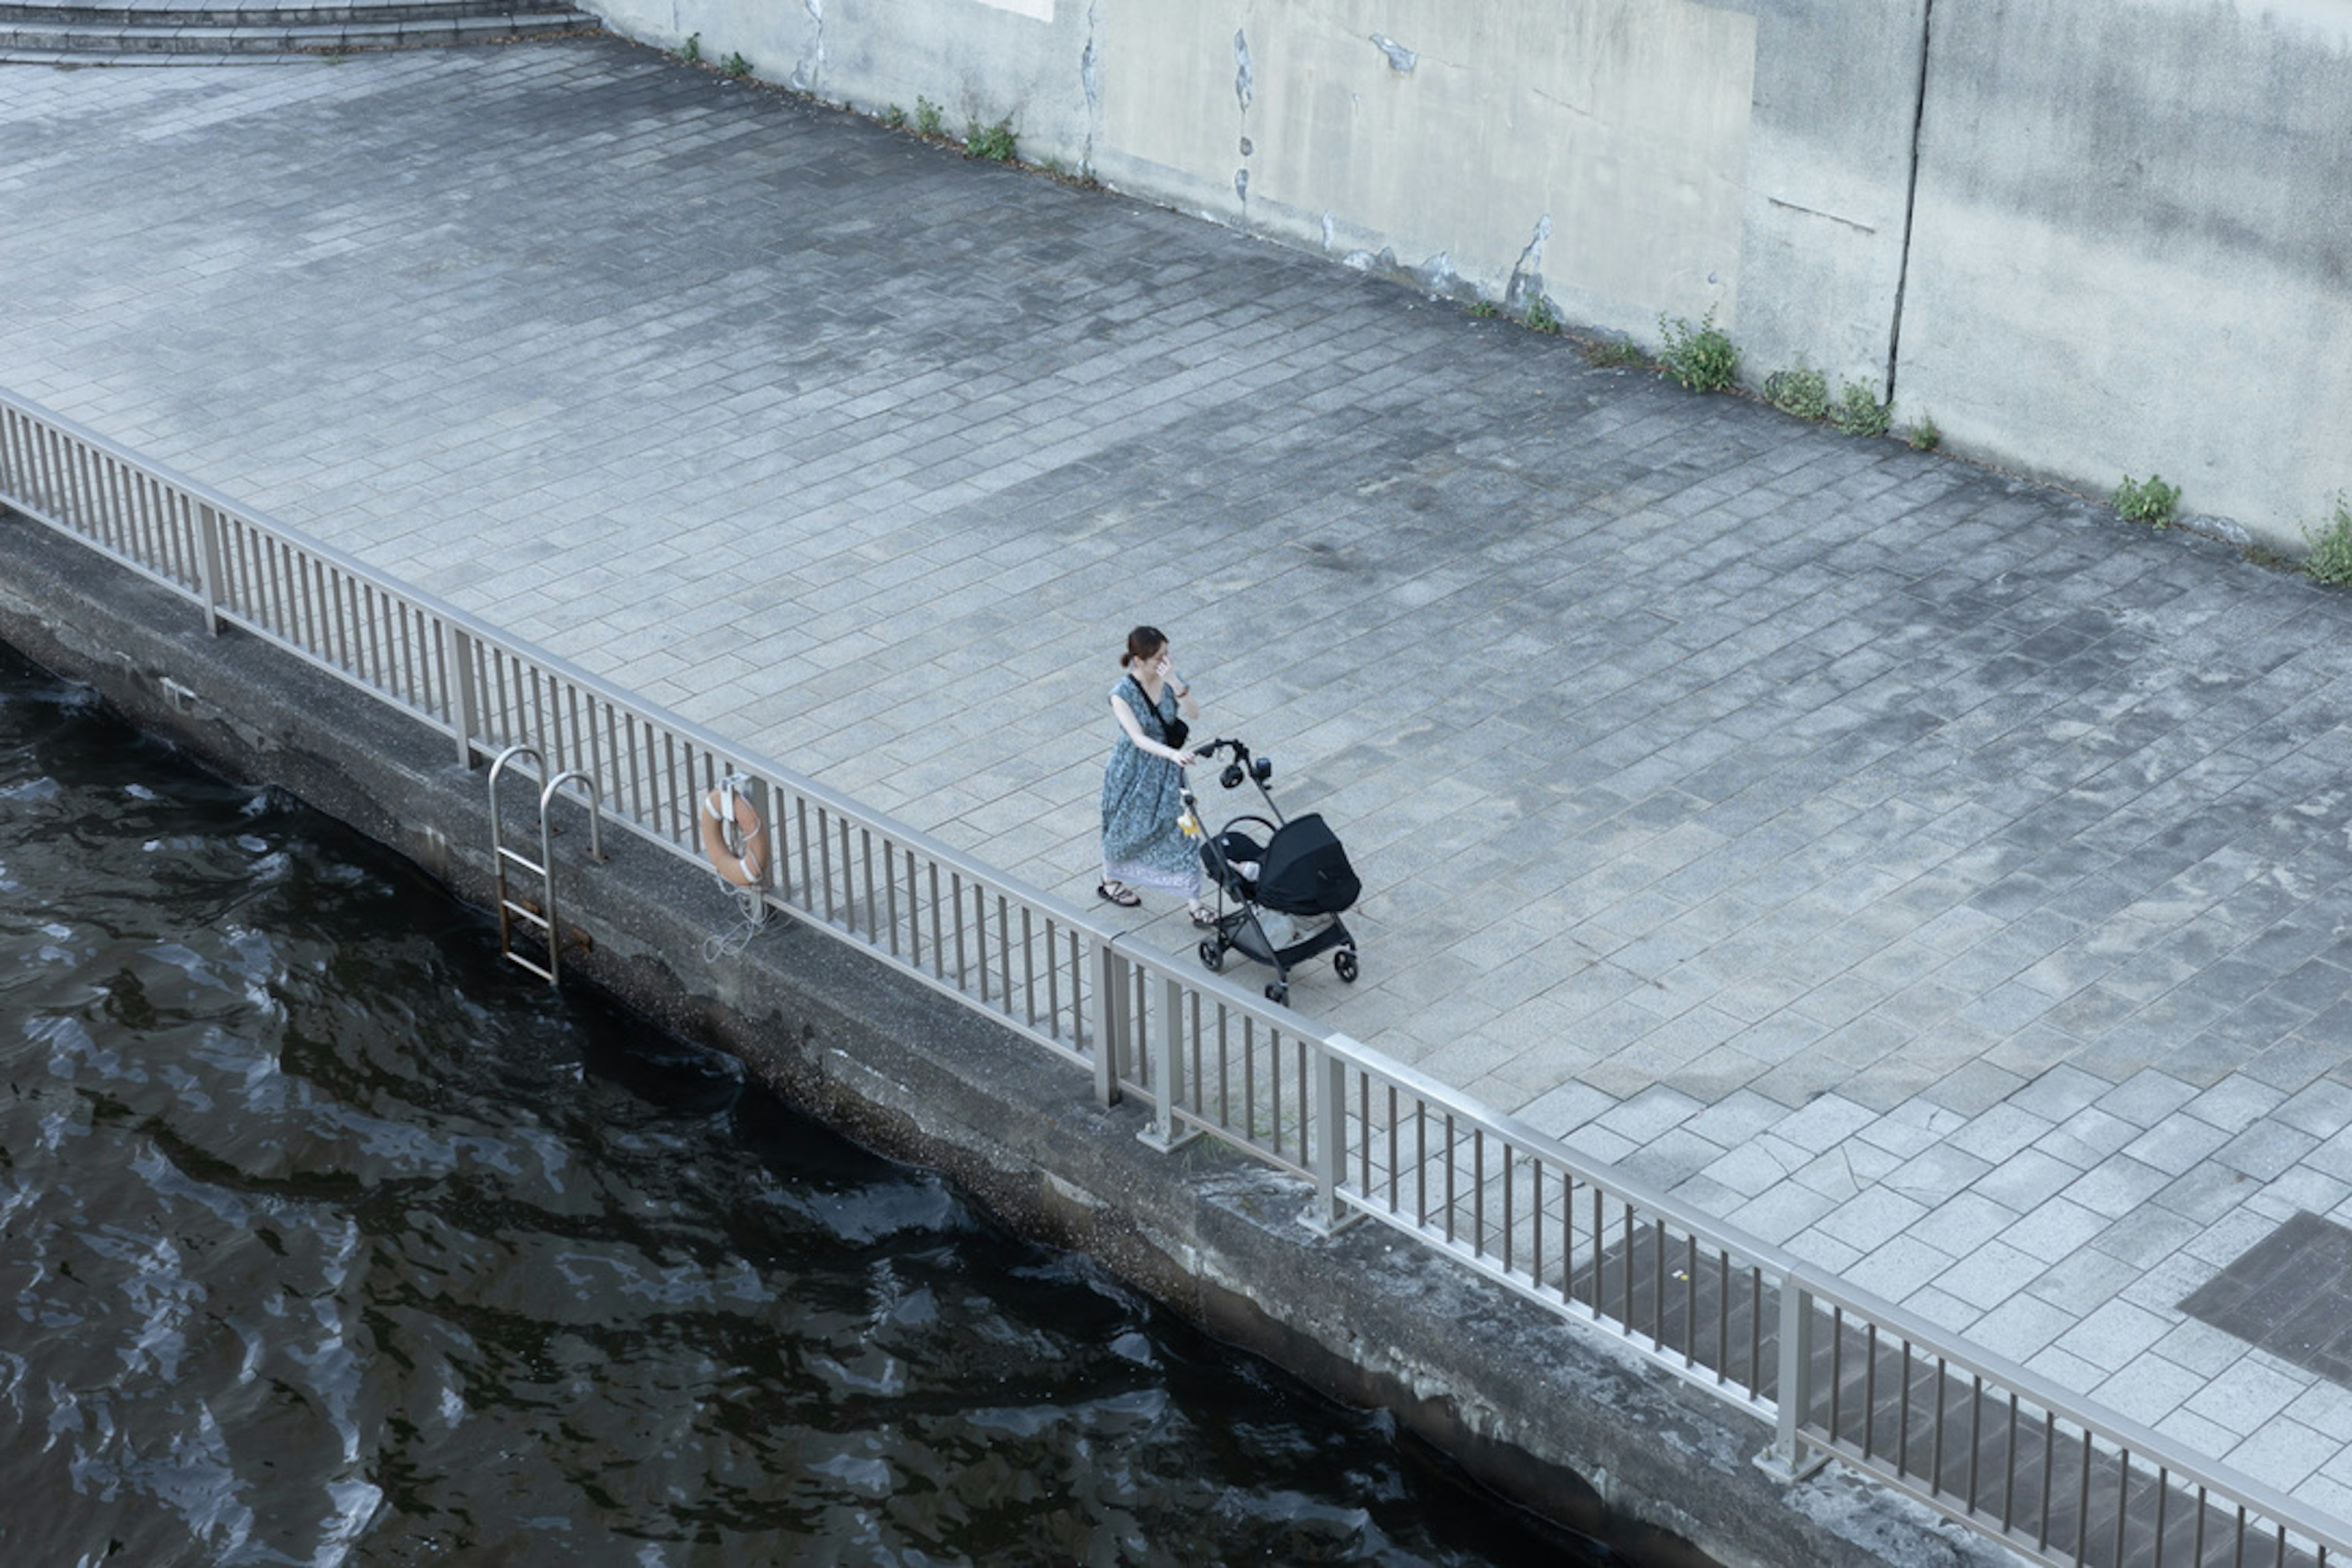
{"points": [[1143, 847]]}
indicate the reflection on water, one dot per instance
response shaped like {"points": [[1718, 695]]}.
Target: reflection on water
{"points": [[328, 1238]]}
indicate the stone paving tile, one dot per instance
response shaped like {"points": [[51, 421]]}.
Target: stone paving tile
{"points": [[1925, 871]]}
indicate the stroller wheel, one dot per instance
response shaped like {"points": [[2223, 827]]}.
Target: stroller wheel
{"points": [[1344, 963], [1277, 992], [1212, 957]]}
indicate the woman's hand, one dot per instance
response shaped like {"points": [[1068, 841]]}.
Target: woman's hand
{"points": [[1183, 759]]}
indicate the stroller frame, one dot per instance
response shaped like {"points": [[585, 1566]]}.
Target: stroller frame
{"points": [[1241, 928]]}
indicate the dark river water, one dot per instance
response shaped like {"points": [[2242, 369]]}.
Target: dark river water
{"points": [[327, 1238]]}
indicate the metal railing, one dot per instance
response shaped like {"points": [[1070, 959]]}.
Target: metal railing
{"points": [[1837, 1372]]}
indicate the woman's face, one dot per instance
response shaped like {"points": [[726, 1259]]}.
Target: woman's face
{"points": [[1163, 661]]}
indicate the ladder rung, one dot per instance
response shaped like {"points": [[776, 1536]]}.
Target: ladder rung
{"points": [[533, 866], [528, 914], [540, 970]]}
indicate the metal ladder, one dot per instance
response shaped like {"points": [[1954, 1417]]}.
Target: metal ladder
{"points": [[511, 909]]}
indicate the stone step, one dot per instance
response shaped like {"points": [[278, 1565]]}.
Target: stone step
{"points": [[243, 12], [154, 34]]}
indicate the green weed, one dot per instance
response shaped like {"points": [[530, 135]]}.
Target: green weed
{"points": [[895, 118], [1858, 411], [994, 143], [1541, 316], [1616, 353], [1922, 434], [1702, 358], [692, 53], [2154, 503], [738, 66], [2330, 560], [926, 117], [1484, 310], [1802, 392]]}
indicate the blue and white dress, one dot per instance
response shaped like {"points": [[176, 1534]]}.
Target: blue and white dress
{"points": [[1141, 843]]}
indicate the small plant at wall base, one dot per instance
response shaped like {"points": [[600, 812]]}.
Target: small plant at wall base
{"points": [[1922, 434], [692, 53], [895, 118], [738, 66], [994, 143], [2331, 547], [1541, 317], [1858, 410], [1700, 357], [927, 116], [1616, 353], [2153, 502], [1801, 391], [1484, 310]]}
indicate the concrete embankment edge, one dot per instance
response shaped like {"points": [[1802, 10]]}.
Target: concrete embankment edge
{"points": [[1549, 1414]]}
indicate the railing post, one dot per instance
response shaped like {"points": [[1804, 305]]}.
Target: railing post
{"points": [[1166, 1133], [208, 564], [1110, 1018], [1326, 1136], [1786, 1460], [465, 703]]}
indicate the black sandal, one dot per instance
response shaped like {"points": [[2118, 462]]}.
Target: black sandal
{"points": [[1125, 897], [1203, 918]]}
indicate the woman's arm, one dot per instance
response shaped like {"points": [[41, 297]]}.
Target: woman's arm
{"points": [[1184, 703], [1134, 728]]}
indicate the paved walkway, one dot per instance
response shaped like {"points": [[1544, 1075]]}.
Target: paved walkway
{"points": [[1922, 869]]}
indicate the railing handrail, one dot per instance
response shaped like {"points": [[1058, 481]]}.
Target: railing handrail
{"points": [[484, 632], [1635, 1193]]}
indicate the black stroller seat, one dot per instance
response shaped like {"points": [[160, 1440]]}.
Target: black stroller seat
{"points": [[1290, 889], [1305, 871]]}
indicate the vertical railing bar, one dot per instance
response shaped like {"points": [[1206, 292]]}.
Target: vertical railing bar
{"points": [[2082, 1500], [1625, 1272], [1249, 1077], [1837, 1370], [1477, 1191], [2123, 1503], [1870, 1390], [955, 886], [1421, 1162], [1053, 985], [1903, 1416], [939, 942], [1658, 1283], [1756, 1328], [1690, 1300], [1935, 1452], [2009, 1470], [1976, 1434], [1508, 1174], [2049, 1472], [1453, 1171]]}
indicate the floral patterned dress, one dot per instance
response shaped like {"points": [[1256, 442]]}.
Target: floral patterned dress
{"points": [[1142, 846]]}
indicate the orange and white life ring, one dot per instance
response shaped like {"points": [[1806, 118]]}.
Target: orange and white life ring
{"points": [[741, 866]]}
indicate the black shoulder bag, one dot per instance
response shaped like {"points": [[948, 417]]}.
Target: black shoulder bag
{"points": [[1171, 731]]}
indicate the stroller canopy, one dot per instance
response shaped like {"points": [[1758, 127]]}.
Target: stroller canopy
{"points": [[1305, 872]]}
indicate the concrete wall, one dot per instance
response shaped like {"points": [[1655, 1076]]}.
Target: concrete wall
{"points": [[2133, 247], [2128, 250]]}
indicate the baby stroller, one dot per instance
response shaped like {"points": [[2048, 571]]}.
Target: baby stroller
{"points": [[1290, 890]]}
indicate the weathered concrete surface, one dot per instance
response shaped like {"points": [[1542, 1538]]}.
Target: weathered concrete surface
{"points": [[2133, 249], [1525, 1402], [2132, 240], [1918, 869]]}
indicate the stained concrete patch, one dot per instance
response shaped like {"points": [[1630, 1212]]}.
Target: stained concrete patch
{"points": [[2290, 1294]]}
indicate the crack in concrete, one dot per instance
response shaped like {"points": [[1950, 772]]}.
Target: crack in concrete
{"points": [[1910, 199]]}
